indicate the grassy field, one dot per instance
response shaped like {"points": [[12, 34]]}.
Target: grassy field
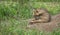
{"points": [[11, 26]]}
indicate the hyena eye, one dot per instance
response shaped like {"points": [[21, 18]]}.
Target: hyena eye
{"points": [[37, 11]]}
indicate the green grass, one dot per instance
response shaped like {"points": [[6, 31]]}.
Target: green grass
{"points": [[52, 7], [12, 26], [45, 0]]}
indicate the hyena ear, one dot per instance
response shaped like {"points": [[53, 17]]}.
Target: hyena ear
{"points": [[34, 9]]}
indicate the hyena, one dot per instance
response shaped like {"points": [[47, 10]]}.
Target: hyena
{"points": [[40, 15]]}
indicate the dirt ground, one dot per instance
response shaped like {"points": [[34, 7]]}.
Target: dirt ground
{"points": [[50, 26]]}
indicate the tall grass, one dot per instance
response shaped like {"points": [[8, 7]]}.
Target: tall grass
{"points": [[45, 0], [53, 7], [8, 9]]}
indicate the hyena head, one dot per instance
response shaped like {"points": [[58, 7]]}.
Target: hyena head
{"points": [[39, 11]]}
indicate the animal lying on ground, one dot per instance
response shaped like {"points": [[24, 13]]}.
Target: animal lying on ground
{"points": [[40, 15]]}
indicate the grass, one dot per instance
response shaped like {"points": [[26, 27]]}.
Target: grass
{"points": [[45, 0], [18, 27]]}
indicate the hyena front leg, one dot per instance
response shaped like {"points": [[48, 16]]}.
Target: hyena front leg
{"points": [[38, 21]]}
